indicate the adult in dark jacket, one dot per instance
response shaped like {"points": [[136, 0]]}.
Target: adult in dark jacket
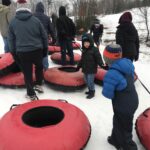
{"points": [[89, 62], [28, 41], [65, 32], [97, 31], [45, 20], [127, 37], [119, 87]]}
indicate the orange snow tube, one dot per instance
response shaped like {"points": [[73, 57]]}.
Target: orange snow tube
{"points": [[64, 78], [56, 58], [7, 63], [44, 125], [143, 128]]}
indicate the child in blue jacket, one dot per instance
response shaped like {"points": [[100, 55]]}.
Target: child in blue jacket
{"points": [[119, 87]]}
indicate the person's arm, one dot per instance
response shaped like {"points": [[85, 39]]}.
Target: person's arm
{"points": [[119, 37], [98, 57], [137, 46], [51, 31]]}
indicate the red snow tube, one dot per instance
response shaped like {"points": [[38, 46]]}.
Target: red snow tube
{"points": [[100, 76], [56, 58], [53, 49], [64, 78], [13, 80], [7, 63], [44, 125], [101, 73], [143, 128]]}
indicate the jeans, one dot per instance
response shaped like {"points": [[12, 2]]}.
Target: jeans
{"points": [[45, 63], [89, 79], [6, 47], [66, 48]]}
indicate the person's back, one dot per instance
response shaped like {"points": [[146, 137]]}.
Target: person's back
{"points": [[127, 37], [6, 14]]}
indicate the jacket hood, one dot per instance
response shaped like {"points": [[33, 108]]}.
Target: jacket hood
{"points": [[4, 8], [123, 65], [23, 15], [125, 17], [40, 7], [87, 37], [62, 11]]}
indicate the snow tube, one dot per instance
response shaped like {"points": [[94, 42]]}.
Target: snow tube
{"points": [[56, 58], [100, 76], [7, 63], [13, 80], [64, 78], [44, 125], [143, 128], [53, 49]]}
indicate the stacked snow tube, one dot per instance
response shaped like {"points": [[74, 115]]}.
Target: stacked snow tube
{"points": [[7, 63], [143, 128], [100, 76], [54, 48], [64, 78], [56, 58], [44, 125], [13, 80]]}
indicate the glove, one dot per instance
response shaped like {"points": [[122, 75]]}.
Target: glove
{"points": [[136, 57], [105, 67]]}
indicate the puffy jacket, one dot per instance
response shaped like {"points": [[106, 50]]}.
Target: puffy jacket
{"points": [[26, 33], [119, 86], [6, 15], [90, 58]]}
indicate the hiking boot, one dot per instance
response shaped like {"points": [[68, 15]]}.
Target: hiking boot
{"points": [[112, 142], [38, 88], [91, 94], [31, 97], [87, 92]]}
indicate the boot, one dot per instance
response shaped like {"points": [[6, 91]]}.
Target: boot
{"points": [[87, 92], [91, 94]]}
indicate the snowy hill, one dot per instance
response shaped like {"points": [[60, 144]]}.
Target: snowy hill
{"points": [[99, 109]]}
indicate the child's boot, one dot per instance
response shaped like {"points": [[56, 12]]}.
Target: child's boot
{"points": [[91, 94]]}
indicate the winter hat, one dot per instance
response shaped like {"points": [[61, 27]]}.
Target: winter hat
{"points": [[97, 21], [62, 11], [39, 7], [111, 53], [6, 2], [125, 17], [23, 5], [21, 1]]}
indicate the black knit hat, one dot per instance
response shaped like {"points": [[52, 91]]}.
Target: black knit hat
{"points": [[6, 2]]}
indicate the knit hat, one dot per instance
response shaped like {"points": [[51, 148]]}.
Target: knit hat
{"points": [[125, 17], [21, 1], [23, 5], [6, 2], [111, 53]]}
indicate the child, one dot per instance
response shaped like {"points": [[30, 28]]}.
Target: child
{"points": [[89, 60], [119, 86]]}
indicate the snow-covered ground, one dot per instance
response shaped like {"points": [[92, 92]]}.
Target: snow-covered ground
{"points": [[99, 109]]}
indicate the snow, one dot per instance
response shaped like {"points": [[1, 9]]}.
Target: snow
{"points": [[99, 109]]}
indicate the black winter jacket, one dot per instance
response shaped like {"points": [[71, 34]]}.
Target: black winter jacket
{"points": [[90, 58], [127, 37], [45, 20], [97, 30]]}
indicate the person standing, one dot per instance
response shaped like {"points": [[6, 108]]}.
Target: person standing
{"points": [[28, 42], [90, 59], [65, 32], [97, 31], [45, 20], [6, 15], [127, 37], [118, 85]]}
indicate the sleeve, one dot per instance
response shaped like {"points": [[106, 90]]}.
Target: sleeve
{"points": [[101, 29], [98, 57], [137, 44], [10, 15], [11, 39], [73, 28], [91, 29], [51, 30], [119, 37]]}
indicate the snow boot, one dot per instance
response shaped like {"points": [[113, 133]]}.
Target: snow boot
{"points": [[91, 94]]}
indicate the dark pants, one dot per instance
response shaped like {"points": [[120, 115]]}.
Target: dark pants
{"points": [[96, 40], [122, 131], [66, 48], [27, 59]]}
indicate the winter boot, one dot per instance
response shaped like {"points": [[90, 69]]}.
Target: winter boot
{"points": [[91, 94], [87, 92], [31, 97], [39, 88]]}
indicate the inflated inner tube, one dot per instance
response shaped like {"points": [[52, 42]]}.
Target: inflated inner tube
{"points": [[56, 58], [64, 78], [44, 125]]}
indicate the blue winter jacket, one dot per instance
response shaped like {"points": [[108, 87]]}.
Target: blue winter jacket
{"points": [[114, 79]]}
